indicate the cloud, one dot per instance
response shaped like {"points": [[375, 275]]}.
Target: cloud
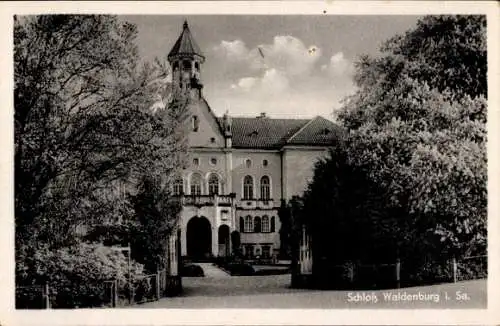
{"points": [[283, 78], [289, 54], [232, 50], [339, 66], [271, 82]]}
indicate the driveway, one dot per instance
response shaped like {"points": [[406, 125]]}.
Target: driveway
{"points": [[274, 292]]}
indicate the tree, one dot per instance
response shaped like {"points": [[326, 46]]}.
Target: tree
{"points": [[83, 120], [156, 216], [411, 173]]}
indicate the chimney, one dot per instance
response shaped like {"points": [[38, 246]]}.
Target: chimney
{"points": [[262, 115]]}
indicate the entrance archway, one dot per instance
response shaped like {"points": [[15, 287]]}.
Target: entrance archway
{"points": [[224, 246], [199, 238]]}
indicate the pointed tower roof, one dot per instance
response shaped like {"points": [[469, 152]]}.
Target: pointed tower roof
{"points": [[185, 44]]}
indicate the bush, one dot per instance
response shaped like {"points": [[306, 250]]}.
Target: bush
{"points": [[77, 275], [192, 270], [240, 269]]}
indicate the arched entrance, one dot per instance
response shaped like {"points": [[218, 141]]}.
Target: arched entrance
{"points": [[199, 238], [224, 247]]}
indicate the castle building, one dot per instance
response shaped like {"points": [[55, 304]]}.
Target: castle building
{"points": [[240, 168]]}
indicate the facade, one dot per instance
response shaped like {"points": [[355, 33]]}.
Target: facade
{"points": [[240, 168]]}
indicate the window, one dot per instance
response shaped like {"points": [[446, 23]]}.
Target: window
{"points": [[248, 187], [264, 162], [224, 215], [272, 224], [265, 224], [213, 161], [266, 252], [248, 251], [248, 224], [195, 122], [178, 187], [242, 224], [196, 161], [197, 65], [212, 140], [213, 184], [256, 225], [196, 184], [265, 192], [248, 163], [186, 65]]}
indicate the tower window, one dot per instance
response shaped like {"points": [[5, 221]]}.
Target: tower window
{"points": [[213, 161], [196, 161], [195, 123], [197, 65], [248, 163], [176, 65], [265, 163], [186, 65]]}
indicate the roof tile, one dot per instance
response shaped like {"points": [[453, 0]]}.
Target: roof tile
{"points": [[267, 133], [185, 44]]}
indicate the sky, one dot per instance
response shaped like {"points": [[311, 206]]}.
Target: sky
{"points": [[307, 67]]}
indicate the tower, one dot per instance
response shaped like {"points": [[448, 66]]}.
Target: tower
{"points": [[186, 59]]}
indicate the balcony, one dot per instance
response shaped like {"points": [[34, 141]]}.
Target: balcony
{"points": [[207, 200], [256, 203]]}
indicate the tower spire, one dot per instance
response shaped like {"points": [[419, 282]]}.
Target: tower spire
{"points": [[185, 59]]}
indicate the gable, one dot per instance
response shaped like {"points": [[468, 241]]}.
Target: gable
{"points": [[209, 132], [318, 131]]}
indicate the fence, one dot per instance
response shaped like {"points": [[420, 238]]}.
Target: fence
{"points": [[32, 297], [397, 274], [107, 294]]}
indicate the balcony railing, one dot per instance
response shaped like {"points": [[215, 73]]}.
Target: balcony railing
{"points": [[207, 200], [256, 203]]}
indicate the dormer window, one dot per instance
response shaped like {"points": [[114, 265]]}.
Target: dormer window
{"points": [[195, 123], [325, 131], [254, 133]]}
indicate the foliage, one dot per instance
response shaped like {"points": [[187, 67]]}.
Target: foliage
{"points": [[156, 217], [91, 122], [83, 121], [409, 180], [76, 274]]}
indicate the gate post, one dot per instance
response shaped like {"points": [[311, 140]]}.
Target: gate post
{"points": [[47, 296], [158, 284], [454, 262], [398, 273]]}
